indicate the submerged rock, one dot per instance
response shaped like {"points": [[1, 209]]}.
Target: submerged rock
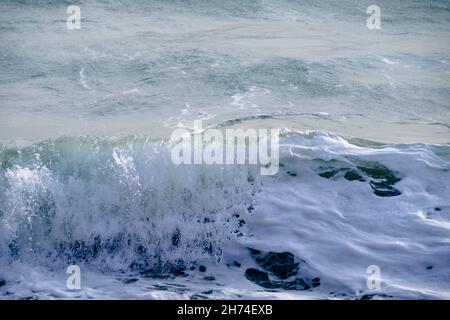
{"points": [[280, 271], [353, 176], [282, 264], [297, 284], [260, 278], [381, 179], [382, 189], [328, 174]]}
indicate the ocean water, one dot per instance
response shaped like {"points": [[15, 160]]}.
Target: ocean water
{"points": [[86, 176]]}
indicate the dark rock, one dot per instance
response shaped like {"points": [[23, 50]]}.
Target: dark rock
{"points": [[202, 268], [209, 278], [281, 267], [281, 264], [381, 189], [378, 171], [297, 284], [382, 181], [260, 278], [256, 275], [328, 174], [237, 264], [2, 282], [353, 176]]}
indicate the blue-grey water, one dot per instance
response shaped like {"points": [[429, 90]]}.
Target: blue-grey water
{"points": [[86, 180]]}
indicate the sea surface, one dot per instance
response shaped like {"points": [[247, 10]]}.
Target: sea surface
{"points": [[86, 176]]}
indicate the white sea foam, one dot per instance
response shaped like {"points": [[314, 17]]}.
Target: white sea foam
{"points": [[124, 204]]}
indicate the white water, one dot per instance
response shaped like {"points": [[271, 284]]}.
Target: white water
{"points": [[112, 188]]}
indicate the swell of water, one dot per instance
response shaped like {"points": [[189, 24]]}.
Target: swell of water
{"points": [[118, 202], [119, 206]]}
